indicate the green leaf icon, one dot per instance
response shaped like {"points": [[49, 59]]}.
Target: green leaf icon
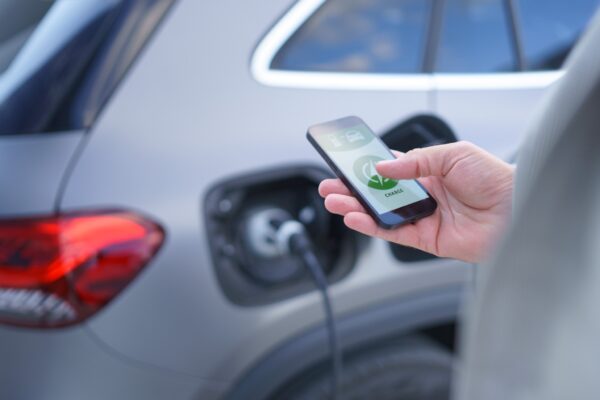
{"points": [[364, 169]]}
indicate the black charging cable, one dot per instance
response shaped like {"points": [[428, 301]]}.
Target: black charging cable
{"points": [[292, 236]]}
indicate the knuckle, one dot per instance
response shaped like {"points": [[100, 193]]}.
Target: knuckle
{"points": [[415, 151], [465, 146]]}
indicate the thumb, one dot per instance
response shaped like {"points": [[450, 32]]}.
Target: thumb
{"points": [[428, 161]]}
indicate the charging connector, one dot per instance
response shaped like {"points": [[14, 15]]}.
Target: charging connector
{"points": [[292, 238]]}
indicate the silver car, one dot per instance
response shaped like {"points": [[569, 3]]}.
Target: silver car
{"points": [[141, 141]]}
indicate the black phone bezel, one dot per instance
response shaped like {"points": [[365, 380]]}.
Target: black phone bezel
{"points": [[400, 216]]}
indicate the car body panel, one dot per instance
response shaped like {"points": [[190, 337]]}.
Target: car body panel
{"points": [[161, 157], [71, 364], [42, 159], [495, 120]]}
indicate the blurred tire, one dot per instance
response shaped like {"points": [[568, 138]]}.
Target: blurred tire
{"points": [[411, 368]]}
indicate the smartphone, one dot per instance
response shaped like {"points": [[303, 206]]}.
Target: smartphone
{"points": [[351, 149]]}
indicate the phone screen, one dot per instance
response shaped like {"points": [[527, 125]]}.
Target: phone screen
{"points": [[355, 150]]}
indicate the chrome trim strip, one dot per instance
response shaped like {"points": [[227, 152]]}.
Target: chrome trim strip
{"points": [[303, 9], [278, 35], [499, 81], [344, 81]]}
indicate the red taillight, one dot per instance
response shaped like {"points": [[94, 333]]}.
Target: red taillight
{"points": [[58, 270]]}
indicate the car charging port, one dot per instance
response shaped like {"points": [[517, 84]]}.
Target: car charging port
{"points": [[241, 217]]}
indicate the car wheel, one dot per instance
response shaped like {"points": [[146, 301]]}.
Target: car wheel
{"points": [[411, 368]]}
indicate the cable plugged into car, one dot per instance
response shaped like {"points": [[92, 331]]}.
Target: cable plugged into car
{"points": [[57, 270], [273, 232], [243, 215], [271, 239]]}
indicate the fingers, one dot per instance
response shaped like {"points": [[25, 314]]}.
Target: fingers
{"points": [[342, 204], [428, 161], [329, 186], [406, 235], [362, 223]]}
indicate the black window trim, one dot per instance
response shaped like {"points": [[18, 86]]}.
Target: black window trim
{"points": [[434, 35], [515, 32]]}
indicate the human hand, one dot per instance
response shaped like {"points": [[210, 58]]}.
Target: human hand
{"points": [[473, 190]]}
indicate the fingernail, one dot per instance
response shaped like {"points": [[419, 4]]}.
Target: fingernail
{"points": [[385, 162]]}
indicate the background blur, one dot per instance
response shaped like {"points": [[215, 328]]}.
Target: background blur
{"points": [[142, 143]]}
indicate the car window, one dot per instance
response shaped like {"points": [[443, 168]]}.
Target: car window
{"points": [[549, 28], [380, 36], [68, 71], [18, 19], [475, 37]]}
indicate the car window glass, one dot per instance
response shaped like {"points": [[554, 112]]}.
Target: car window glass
{"points": [[475, 37], [384, 36], [549, 28], [18, 19]]}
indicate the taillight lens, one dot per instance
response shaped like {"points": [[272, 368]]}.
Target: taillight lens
{"points": [[58, 270]]}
